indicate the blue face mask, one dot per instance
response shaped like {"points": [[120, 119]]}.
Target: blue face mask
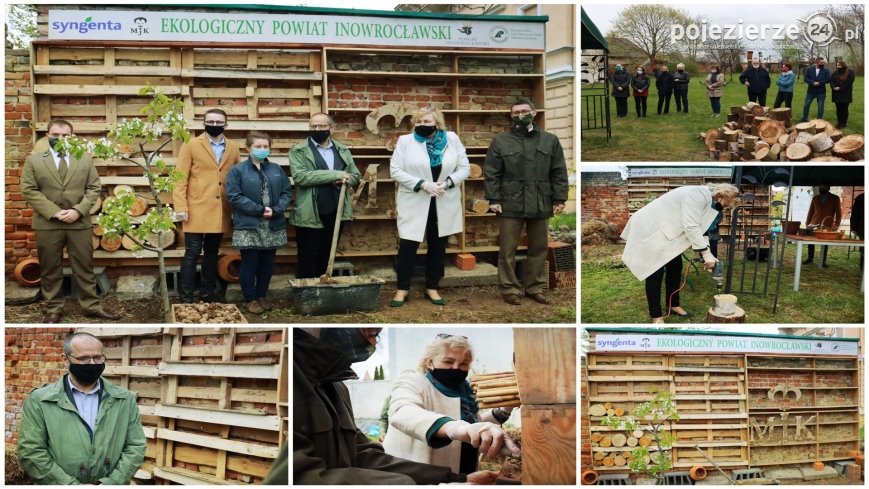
{"points": [[260, 153]]}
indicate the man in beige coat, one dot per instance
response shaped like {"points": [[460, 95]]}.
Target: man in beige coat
{"points": [[62, 189], [201, 204]]}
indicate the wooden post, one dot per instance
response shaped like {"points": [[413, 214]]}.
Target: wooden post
{"points": [[546, 375]]}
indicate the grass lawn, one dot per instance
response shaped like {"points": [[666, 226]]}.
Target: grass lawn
{"points": [[673, 137], [611, 294]]}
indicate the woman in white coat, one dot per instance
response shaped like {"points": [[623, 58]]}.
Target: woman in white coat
{"points": [[429, 166], [658, 234], [433, 416]]}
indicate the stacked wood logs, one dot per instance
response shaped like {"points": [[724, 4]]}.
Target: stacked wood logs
{"points": [[757, 133], [496, 390], [140, 207]]}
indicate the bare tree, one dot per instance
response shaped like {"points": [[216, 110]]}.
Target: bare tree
{"points": [[648, 27], [726, 53], [691, 47], [850, 17], [20, 25]]}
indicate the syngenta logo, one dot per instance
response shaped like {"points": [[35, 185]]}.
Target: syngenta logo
{"points": [[818, 29], [86, 26], [615, 343]]}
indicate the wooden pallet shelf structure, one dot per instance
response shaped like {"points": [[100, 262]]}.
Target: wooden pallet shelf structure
{"points": [[213, 400]]}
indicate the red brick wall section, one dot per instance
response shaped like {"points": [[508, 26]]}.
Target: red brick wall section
{"points": [[604, 196], [34, 357], [20, 239], [585, 461]]}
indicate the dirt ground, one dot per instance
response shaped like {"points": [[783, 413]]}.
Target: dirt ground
{"points": [[464, 305], [838, 481]]}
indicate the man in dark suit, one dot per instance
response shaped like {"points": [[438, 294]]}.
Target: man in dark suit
{"points": [[62, 189]]}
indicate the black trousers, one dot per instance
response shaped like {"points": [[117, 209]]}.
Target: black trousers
{"points": [[681, 101], [757, 97], [640, 104], [621, 106], [842, 113], [434, 258], [664, 101], [786, 97], [673, 270], [194, 245], [824, 250], [314, 245]]}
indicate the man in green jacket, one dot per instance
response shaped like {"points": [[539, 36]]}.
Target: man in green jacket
{"points": [[328, 448], [526, 183], [81, 429], [319, 166]]}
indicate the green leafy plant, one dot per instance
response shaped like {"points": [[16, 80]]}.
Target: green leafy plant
{"points": [[163, 123], [653, 415]]}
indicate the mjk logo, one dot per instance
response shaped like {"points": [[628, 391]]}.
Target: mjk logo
{"points": [[140, 28]]}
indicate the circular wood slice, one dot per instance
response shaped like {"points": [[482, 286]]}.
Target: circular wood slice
{"points": [[620, 411], [122, 189], [820, 125], [761, 153], [637, 433], [836, 135], [98, 204], [166, 239], [828, 158], [607, 405], [112, 243], [606, 442], [476, 171], [770, 131], [758, 110], [611, 412], [106, 202], [597, 410], [645, 441], [821, 142], [783, 139], [632, 441], [596, 437], [620, 461], [95, 241], [849, 147], [798, 152], [128, 243], [619, 440], [808, 127], [599, 455], [609, 461], [711, 136], [140, 205], [648, 458]]}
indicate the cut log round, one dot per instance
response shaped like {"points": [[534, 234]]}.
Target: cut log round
{"points": [[110, 243], [836, 135], [596, 437], [619, 440], [758, 110], [821, 142], [95, 241], [478, 206], [128, 243], [761, 153], [738, 317], [645, 441], [798, 152], [620, 411], [609, 461], [709, 139], [597, 410], [620, 461], [849, 147], [731, 136], [637, 433], [140, 205], [606, 442], [735, 109], [749, 142], [166, 239], [607, 405], [783, 139], [106, 202], [611, 412], [122, 189], [98, 204], [632, 441], [599, 455], [774, 151], [820, 125], [476, 171], [770, 130], [808, 127], [827, 158], [803, 137], [782, 114], [720, 145]]}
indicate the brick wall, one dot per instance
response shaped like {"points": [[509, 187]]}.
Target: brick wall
{"points": [[34, 357], [584, 423], [20, 239], [604, 195]]}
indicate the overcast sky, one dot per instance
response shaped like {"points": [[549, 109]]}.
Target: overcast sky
{"points": [[719, 13]]}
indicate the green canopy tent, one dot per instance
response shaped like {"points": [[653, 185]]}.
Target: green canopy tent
{"points": [[594, 51]]}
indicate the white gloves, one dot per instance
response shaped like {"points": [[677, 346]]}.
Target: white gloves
{"points": [[180, 216], [488, 437], [709, 261], [434, 188]]}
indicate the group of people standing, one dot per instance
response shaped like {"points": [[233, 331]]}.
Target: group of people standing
{"points": [[755, 78], [525, 179]]}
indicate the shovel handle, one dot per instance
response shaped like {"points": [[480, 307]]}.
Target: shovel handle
{"points": [[337, 229]]}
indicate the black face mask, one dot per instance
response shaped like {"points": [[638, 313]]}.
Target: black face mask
{"points": [[350, 341], [450, 377], [424, 131], [717, 206], [52, 142], [320, 136], [214, 131], [86, 373]]}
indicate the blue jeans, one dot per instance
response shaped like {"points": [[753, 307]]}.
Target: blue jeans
{"points": [[809, 98], [255, 273], [716, 104]]}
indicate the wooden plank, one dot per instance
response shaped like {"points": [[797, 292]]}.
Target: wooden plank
{"points": [[629, 378], [283, 93], [102, 332], [189, 477], [237, 463], [149, 431], [625, 369], [245, 74], [106, 70], [146, 410], [549, 444], [240, 350], [234, 370], [687, 397], [242, 447], [545, 365], [262, 422], [83, 90], [150, 371], [237, 394]]}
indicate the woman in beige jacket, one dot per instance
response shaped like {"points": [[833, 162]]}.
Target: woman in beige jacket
{"points": [[433, 416]]}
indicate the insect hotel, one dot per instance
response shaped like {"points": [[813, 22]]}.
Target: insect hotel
{"points": [[755, 406]]}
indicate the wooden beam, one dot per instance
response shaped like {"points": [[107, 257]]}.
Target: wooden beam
{"points": [[103, 332], [83, 90], [245, 74], [137, 370], [234, 370], [150, 431], [105, 70], [188, 477], [262, 422], [244, 448]]}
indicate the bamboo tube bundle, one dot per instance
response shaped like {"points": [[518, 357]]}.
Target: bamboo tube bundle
{"points": [[496, 390]]}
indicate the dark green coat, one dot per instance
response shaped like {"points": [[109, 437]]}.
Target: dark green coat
{"points": [[328, 448], [307, 177], [55, 445], [526, 173]]}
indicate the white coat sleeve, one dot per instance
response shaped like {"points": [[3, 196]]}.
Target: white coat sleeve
{"points": [[693, 209], [398, 166], [407, 410]]}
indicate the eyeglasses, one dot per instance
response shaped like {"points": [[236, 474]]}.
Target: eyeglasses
{"points": [[320, 127], [215, 123], [443, 336], [522, 112], [98, 359]]}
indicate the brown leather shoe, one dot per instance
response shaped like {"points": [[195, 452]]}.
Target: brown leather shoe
{"points": [[101, 314], [52, 318], [512, 299], [264, 304], [538, 297]]}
